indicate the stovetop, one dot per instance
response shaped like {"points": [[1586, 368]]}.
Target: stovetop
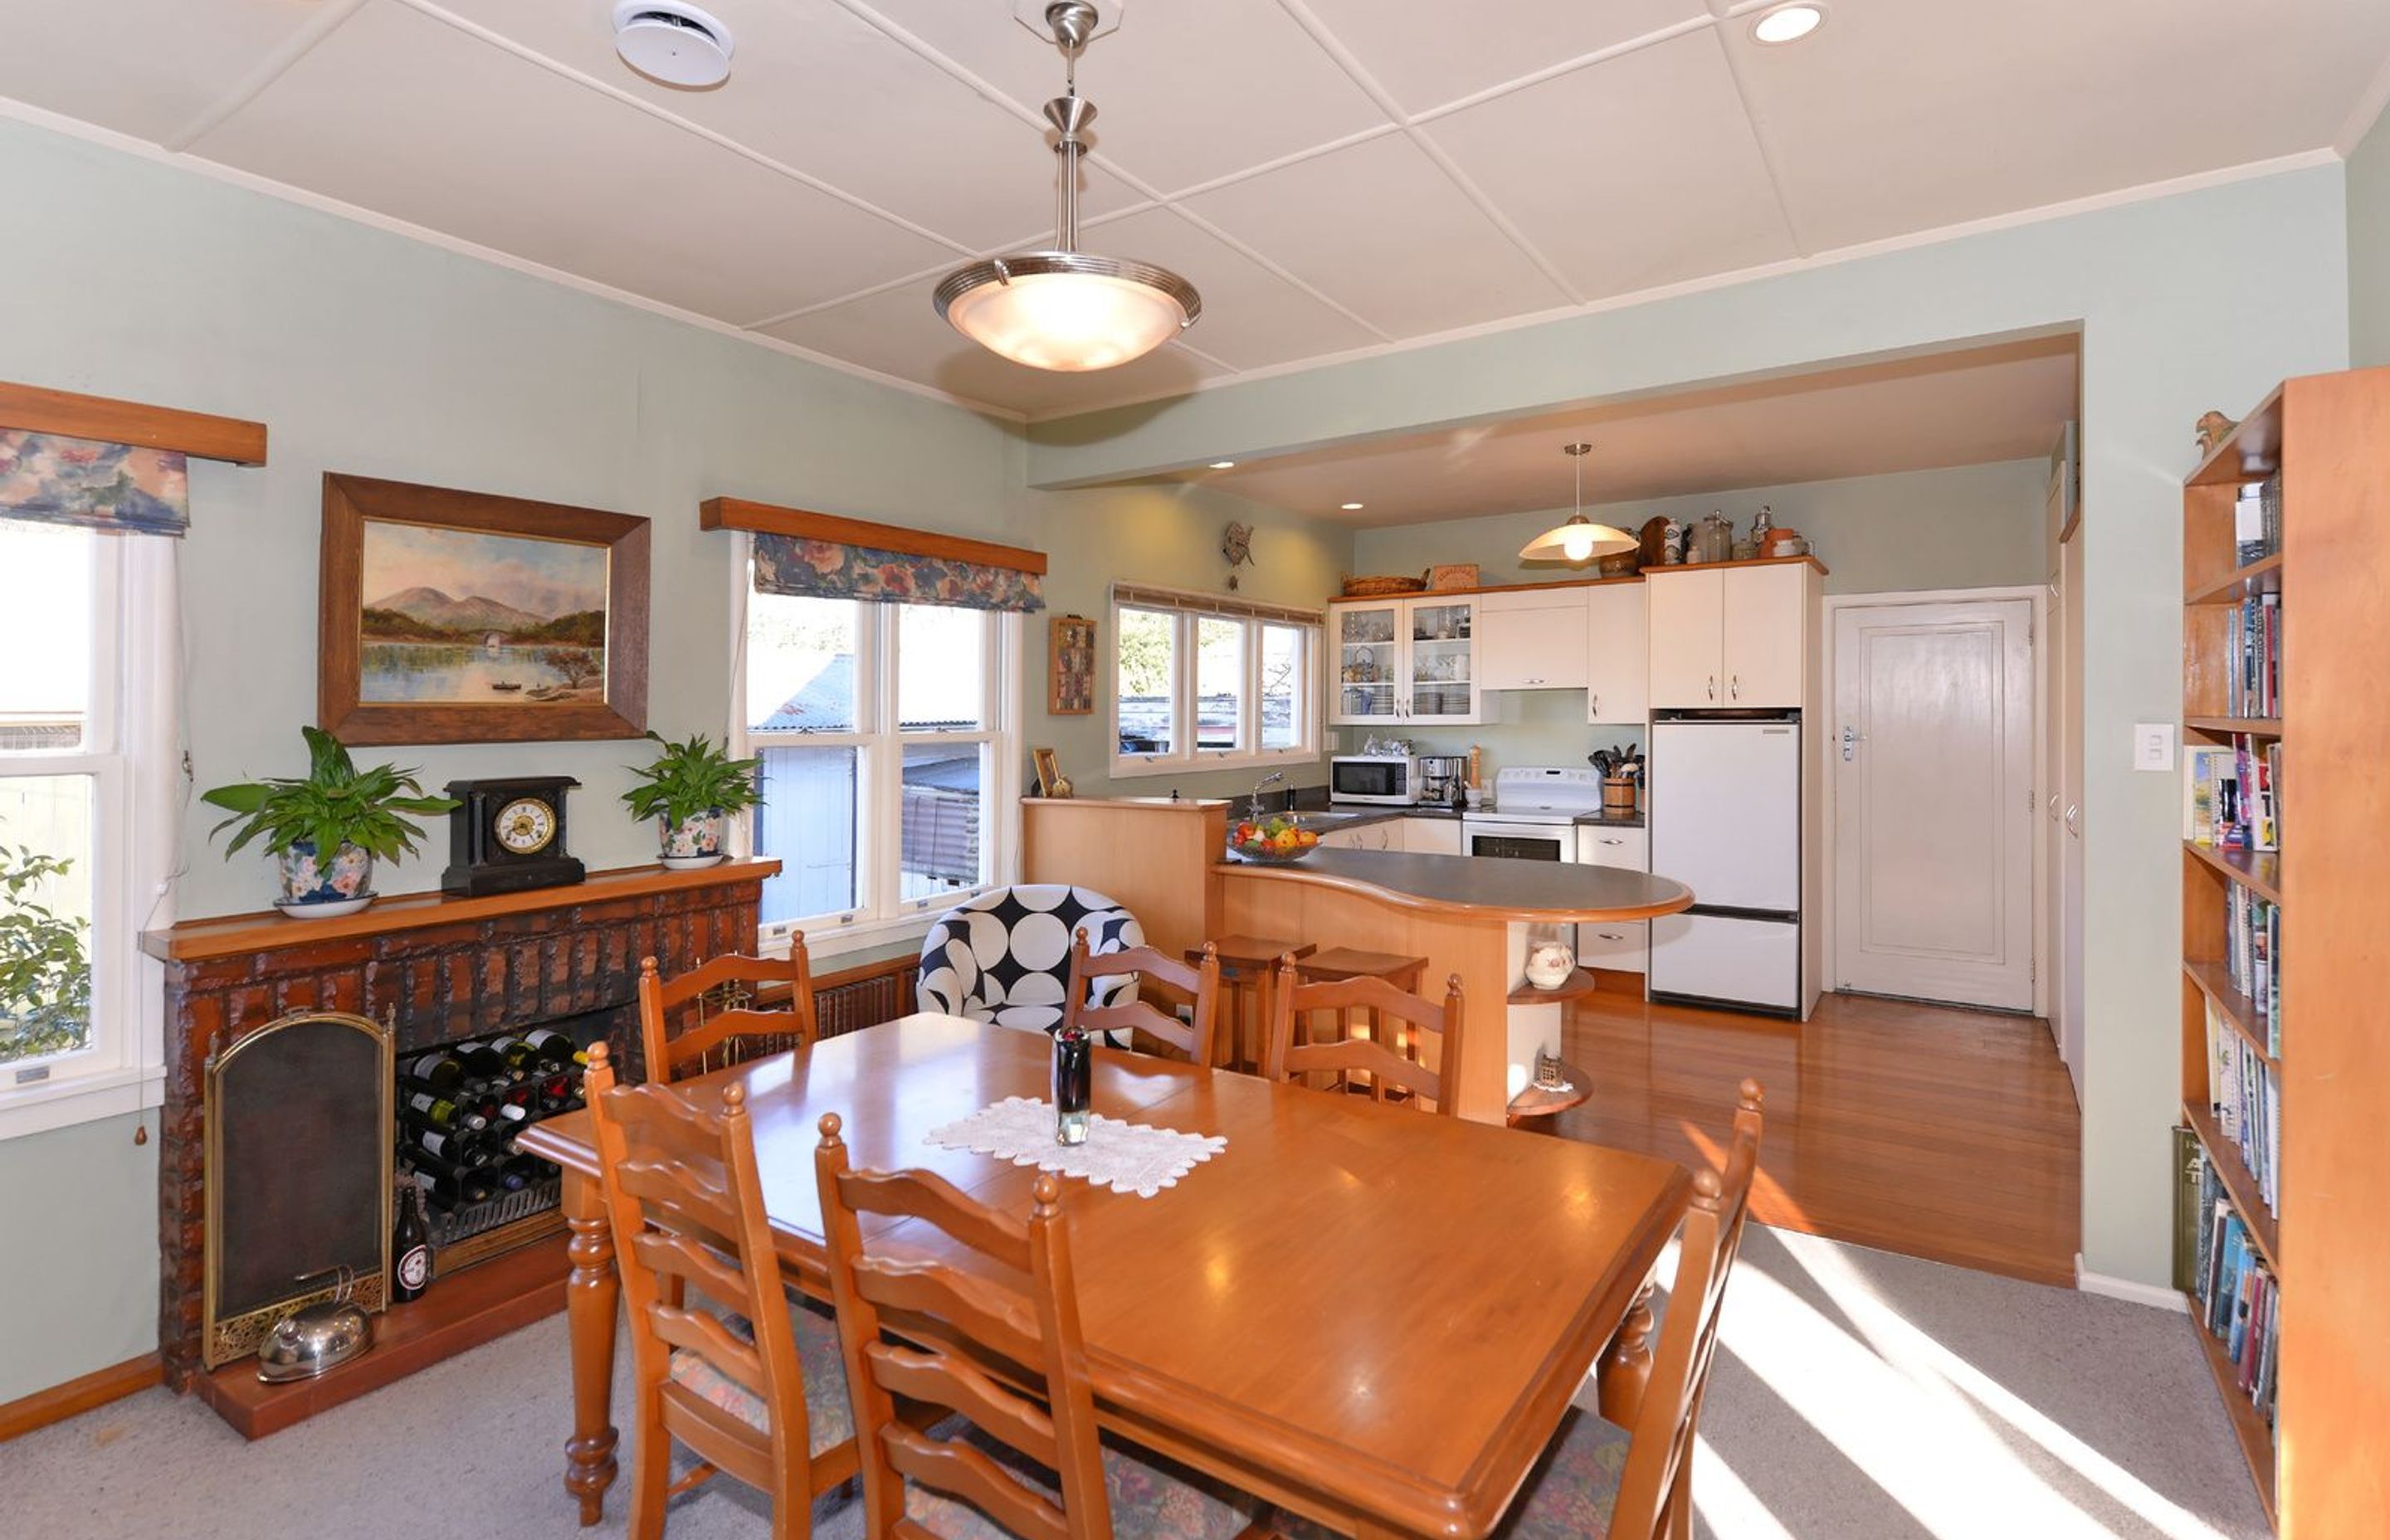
{"points": [[1541, 794]]}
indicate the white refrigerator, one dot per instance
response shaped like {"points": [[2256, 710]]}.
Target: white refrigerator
{"points": [[1724, 814]]}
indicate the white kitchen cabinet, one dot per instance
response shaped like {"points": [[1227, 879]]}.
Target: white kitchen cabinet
{"points": [[1532, 639], [1616, 650], [1384, 834], [1728, 637], [1432, 835], [1407, 659], [1620, 945]]}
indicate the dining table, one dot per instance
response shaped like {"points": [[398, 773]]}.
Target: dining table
{"points": [[1369, 1315]]}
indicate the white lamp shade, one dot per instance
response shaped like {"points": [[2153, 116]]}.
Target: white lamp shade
{"points": [[1578, 540], [1069, 321]]}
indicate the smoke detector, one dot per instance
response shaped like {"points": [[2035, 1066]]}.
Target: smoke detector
{"points": [[675, 44]]}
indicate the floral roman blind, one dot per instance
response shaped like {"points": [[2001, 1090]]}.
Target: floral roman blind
{"points": [[830, 569], [126, 488]]}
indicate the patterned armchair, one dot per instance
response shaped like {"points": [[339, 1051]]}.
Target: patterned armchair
{"points": [[1003, 956]]}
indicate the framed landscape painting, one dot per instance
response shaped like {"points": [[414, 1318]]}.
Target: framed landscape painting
{"points": [[460, 616]]}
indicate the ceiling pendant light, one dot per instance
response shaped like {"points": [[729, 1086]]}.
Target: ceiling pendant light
{"points": [[1065, 309], [1580, 539]]}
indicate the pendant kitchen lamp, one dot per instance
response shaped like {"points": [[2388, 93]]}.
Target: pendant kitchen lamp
{"points": [[1580, 539], [1066, 309]]}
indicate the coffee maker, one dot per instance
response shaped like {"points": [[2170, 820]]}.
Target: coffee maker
{"points": [[1442, 776]]}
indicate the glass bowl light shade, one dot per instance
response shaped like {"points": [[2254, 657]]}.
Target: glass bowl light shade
{"points": [[1578, 540], [1068, 311]]}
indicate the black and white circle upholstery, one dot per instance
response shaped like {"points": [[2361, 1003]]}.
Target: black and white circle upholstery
{"points": [[1005, 956]]}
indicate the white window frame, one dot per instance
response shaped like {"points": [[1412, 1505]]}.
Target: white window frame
{"points": [[1184, 755], [132, 749], [880, 915]]}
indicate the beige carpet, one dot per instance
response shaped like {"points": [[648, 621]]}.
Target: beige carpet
{"points": [[1856, 1394]]}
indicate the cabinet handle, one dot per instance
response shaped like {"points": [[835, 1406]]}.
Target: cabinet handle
{"points": [[2071, 811], [1613, 842], [1592, 704], [1713, 686], [1734, 687]]}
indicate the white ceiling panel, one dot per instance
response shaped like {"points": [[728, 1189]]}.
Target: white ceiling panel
{"points": [[147, 68], [1898, 117], [1380, 229], [899, 333], [514, 157], [1652, 176], [1431, 52], [1185, 91], [2002, 402], [1251, 317], [818, 90]]}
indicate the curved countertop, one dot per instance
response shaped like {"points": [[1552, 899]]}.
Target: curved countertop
{"points": [[1539, 892]]}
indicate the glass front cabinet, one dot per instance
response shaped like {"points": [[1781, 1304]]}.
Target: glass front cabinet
{"points": [[1407, 659]]}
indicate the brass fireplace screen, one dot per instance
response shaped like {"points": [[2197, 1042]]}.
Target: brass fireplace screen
{"points": [[299, 1173]]}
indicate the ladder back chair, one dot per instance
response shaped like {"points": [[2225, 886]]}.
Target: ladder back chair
{"points": [[1000, 1346], [1632, 1478], [1123, 1025], [754, 1387], [1433, 1032], [707, 1017]]}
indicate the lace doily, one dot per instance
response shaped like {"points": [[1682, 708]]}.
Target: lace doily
{"points": [[1126, 1157]]}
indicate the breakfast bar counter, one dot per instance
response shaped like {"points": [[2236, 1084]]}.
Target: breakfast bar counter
{"points": [[1473, 917]]}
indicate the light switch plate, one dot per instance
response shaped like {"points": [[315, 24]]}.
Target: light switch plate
{"points": [[2153, 746]]}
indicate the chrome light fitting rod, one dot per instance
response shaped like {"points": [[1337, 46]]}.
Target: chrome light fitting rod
{"points": [[1065, 309]]}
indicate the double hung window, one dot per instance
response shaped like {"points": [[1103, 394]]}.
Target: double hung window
{"points": [[1210, 681]]}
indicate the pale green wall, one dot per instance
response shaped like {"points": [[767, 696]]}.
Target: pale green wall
{"points": [[368, 352], [2368, 248], [1969, 527], [2203, 299]]}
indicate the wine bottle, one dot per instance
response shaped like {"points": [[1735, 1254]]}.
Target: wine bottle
{"points": [[440, 1069], [441, 1113], [454, 1146], [518, 1055], [452, 1183], [484, 1061], [554, 1049], [410, 1246], [510, 1121]]}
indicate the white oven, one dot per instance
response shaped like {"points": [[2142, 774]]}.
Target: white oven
{"points": [[1533, 814], [1518, 840]]}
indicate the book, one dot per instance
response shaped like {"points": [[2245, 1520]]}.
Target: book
{"points": [[2190, 1166], [2204, 765]]}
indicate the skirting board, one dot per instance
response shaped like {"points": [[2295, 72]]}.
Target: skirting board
{"points": [[2153, 1295], [78, 1395]]}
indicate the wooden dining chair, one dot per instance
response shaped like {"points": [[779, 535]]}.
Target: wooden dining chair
{"points": [[1388, 1068], [708, 1018], [1124, 1025], [995, 1340], [754, 1387], [1599, 1479]]}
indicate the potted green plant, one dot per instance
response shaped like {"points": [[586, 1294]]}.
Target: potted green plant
{"points": [[691, 789], [326, 829]]}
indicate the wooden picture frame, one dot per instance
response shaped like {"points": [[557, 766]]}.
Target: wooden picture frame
{"points": [[1070, 666], [534, 674], [1048, 774]]}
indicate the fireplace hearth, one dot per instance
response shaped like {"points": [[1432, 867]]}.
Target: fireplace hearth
{"points": [[436, 969]]}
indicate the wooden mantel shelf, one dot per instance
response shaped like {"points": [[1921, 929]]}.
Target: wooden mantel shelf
{"points": [[238, 935]]}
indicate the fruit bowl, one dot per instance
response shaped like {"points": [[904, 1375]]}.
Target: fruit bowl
{"points": [[1279, 841]]}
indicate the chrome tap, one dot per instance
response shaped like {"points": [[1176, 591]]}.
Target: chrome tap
{"points": [[1253, 807]]}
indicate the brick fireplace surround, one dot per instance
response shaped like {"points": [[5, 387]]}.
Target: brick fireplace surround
{"points": [[441, 968]]}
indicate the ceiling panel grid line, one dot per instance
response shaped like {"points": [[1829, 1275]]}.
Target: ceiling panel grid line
{"points": [[1768, 154], [1334, 48], [562, 70], [273, 67]]}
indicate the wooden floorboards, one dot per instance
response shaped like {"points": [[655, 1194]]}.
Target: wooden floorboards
{"points": [[1942, 1133]]}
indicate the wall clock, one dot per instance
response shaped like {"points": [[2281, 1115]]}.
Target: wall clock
{"points": [[507, 836]]}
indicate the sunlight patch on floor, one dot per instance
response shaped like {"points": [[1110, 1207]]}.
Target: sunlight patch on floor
{"points": [[1728, 1506]]}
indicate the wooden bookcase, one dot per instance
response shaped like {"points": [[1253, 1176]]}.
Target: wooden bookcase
{"points": [[2320, 1469]]}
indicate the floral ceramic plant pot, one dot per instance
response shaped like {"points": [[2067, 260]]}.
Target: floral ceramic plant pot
{"points": [[314, 887], [696, 840]]}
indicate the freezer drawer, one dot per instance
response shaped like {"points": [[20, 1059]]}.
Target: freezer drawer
{"points": [[1614, 944], [1602, 845], [1755, 962]]}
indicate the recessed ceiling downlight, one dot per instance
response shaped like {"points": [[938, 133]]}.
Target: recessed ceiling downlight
{"points": [[675, 44], [1788, 24]]}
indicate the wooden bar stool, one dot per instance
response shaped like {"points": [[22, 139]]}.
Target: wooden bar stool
{"points": [[1340, 963], [1245, 963]]}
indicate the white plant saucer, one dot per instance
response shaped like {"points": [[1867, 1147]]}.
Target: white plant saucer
{"points": [[332, 910]]}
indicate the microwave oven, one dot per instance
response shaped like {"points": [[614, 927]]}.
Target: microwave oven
{"points": [[1373, 778]]}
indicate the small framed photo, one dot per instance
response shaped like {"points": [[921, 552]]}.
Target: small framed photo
{"points": [[1070, 666], [1047, 776]]}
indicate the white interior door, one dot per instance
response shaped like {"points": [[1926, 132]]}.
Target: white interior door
{"points": [[1934, 812], [1686, 609]]}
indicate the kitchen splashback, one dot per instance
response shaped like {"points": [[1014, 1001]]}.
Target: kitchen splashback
{"points": [[1532, 728]]}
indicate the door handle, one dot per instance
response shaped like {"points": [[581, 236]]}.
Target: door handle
{"points": [[1852, 738]]}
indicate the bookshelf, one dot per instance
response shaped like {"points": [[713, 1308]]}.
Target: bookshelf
{"points": [[2325, 1242]]}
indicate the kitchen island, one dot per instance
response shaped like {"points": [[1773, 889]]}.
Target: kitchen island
{"points": [[1470, 916]]}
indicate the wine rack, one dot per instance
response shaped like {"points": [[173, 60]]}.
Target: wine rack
{"points": [[466, 1231]]}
